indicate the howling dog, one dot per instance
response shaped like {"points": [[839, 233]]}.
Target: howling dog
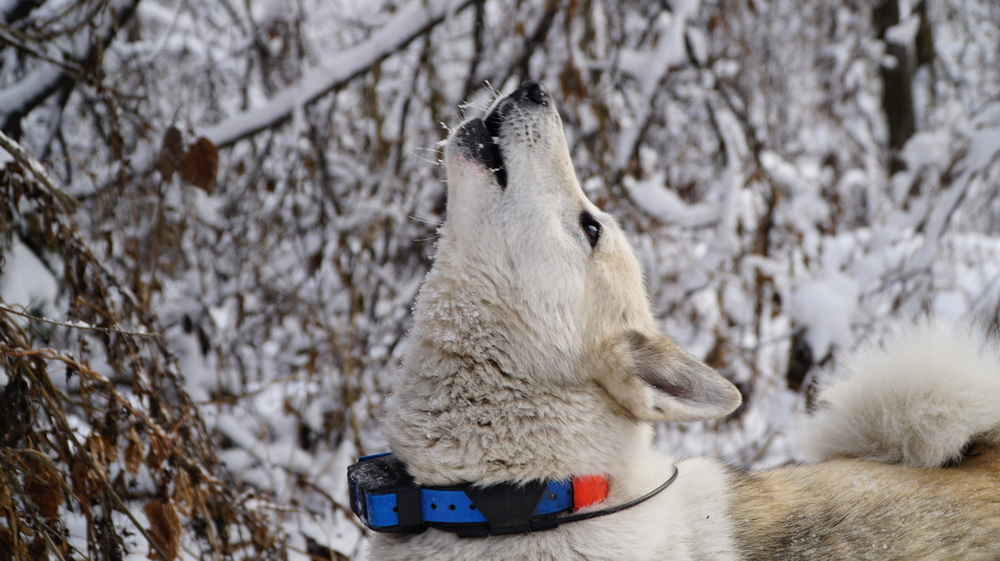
{"points": [[520, 427]]}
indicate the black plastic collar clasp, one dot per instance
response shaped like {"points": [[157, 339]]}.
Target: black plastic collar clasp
{"points": [[384, 496]]}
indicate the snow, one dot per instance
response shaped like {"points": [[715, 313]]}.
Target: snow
{"points": [[655, 198], [648, 68], [16, 97], [927, 149], [984, 145], [904, 32], [754, 184], [6, 7], [731, 181], [71, 50], [827, 307], [26, 283], [988, 117]]}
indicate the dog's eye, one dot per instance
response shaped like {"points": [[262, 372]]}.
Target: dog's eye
{"points": [[591, 228]]}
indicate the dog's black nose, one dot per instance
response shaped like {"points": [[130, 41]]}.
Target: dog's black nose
{"points": [[533, 91]]}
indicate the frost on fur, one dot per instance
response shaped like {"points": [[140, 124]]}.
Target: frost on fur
{"points": [[918, 400]]}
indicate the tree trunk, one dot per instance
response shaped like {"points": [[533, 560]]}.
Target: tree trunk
{"points": [[897, 84]]}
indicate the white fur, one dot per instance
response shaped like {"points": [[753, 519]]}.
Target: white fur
{"points": [[534, 356], [918, 399]]}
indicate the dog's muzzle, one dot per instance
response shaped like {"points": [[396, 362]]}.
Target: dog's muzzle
{"points": [[479, 138]]}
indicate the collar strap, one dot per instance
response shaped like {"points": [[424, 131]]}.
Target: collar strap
{"points": [[385, 498]]}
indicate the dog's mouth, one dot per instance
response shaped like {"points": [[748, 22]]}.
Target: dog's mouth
{"points": [[493, 122], [480, 139]]}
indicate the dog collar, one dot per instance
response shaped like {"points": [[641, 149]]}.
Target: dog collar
{"points": [[385, 498]]}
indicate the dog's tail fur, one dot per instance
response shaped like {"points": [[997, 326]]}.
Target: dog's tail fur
{"points": [[920, 399]]}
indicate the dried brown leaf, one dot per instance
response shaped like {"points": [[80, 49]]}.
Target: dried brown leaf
{"points": [[171, 153], [159, 450], [85, 483], [44, 485], [133, 451], [164, 528], [201, 164]]}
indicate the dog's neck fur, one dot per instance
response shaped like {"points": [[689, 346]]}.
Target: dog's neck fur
{"points": [[471, 406], [534, 354]]}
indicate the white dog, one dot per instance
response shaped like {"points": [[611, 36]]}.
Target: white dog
{"points": [[534, 367]]}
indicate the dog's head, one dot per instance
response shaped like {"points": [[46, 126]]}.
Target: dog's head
{"points": [[554, 274]]}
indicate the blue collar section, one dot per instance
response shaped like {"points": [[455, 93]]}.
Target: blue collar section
{"points": [[385, 498], [452, 505]]}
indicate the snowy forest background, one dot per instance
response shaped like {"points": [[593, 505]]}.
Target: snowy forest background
{"points": [[215, 217]]}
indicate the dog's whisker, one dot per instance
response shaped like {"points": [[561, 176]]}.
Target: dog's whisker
{"points": [[416, 218]]}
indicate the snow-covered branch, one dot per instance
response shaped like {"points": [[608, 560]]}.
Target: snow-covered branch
{"points": [[85, 45], [22, 157], [412, 21]]}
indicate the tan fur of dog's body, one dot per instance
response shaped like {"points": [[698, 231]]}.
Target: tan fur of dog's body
{"points": [[858, 509], [534, 356]]}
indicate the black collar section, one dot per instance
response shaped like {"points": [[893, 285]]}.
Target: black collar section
{"points": [[386, 499]]}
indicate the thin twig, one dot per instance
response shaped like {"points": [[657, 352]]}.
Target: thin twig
{"points": [[80, 325]]}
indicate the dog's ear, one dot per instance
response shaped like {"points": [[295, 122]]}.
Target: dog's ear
{"points": [[652, 379]]}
